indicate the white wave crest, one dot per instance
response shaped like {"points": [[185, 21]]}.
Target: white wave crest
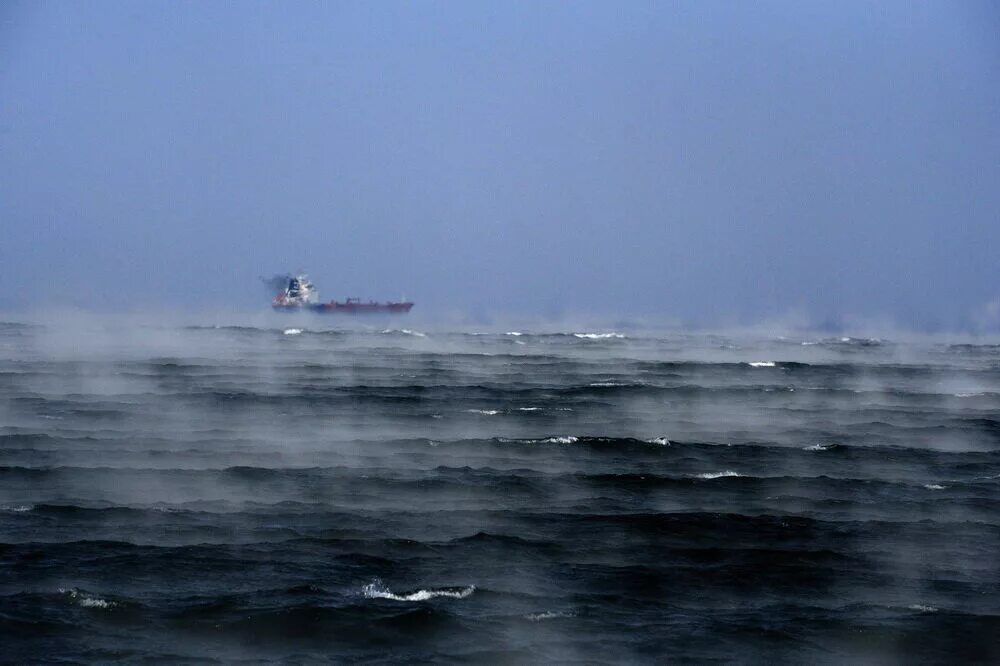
{"points": [[548, 615], [293, 331], [529, 409], [514, 333], [560, 440], [94, 602], [662, 441], [968, 395], [486, 412], [761, 364], [818, 447], [404, 331], [16, 508], [599, 336], [922, 608], [718, 475], [606, 384], [377, 590], [934, 486], [87, 601]]}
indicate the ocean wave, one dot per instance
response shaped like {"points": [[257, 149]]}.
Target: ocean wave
{"points": [[16, 508], [378, 590], [548, 615], [761, 364], [662, 441], [922, 608], [599, 336], [86, 600], [564, 439], [934, 486], [292, 331], [717, 475], [820, 447], [485, 412], [845, 341], [404, 331], [560, 440]]}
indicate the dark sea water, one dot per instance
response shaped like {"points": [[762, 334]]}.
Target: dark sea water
{"points": [[188, 494]]}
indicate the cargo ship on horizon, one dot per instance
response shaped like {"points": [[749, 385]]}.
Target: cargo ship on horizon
{"points": [[299, 295]]}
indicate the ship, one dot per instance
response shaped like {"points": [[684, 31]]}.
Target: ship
{"points": [[300, 295]]}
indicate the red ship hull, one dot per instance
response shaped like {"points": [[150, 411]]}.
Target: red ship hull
{"points": [[349, 307]]}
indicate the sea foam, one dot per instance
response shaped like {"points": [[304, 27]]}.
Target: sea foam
{"points": [[87, 601], [819, 447], [560, 440], [548, 615], [599, 336], [718, 475], [378, 590], [922, 608]]}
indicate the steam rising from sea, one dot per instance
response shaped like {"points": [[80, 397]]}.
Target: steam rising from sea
{"points": [[308, 488]]}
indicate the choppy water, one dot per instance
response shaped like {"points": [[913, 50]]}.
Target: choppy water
{"points": [[189, 493]]}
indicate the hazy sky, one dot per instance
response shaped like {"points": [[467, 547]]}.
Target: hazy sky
{"points": [[691, 160]]}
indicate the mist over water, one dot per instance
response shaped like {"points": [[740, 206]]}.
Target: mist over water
{"points": [[386, 489], [660, 397]]}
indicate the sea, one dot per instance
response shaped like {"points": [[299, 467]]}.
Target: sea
{"points": [[373, 491]]}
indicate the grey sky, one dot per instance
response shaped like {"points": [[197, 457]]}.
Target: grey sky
{"points": [[692, 160]]}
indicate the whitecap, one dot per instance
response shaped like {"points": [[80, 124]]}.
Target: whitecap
{"points": [[293, 331], [818, 447], [934, 486], [87, 601], [94, 602], [560, 440], [404, 331], [485, 412], [718, 475], [17, 508], [607, 384], [662, 441], [378, 590], [599, 336], [529, 409], [968, 395], [548, 615], [922, 608], [762, 364], [514, 333]]}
